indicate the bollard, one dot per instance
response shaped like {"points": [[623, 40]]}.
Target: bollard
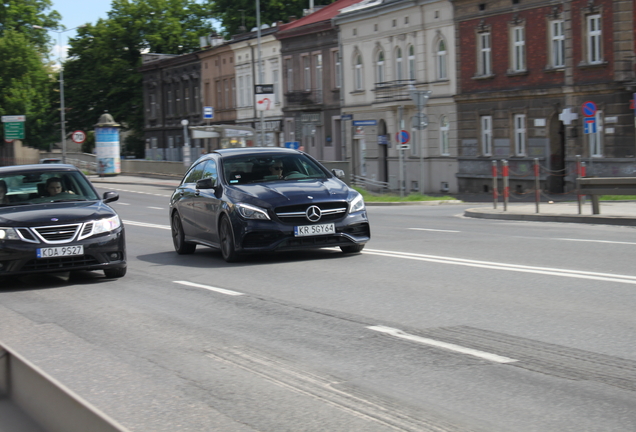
{"points": [[506, 187], [537, 184], [494, 184]]}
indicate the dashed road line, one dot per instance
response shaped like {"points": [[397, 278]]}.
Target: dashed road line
{"points": [[439, 344], [211, 288]]}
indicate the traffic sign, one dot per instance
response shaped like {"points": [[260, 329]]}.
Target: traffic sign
{"points": [[208, 112], [264, 89], [14, 130], [78, 137], [420, 121], [402, 137], [365, 122], [346, 117], [589, 109], [590, 125]]}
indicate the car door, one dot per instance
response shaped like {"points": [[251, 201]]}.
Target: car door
{"points": [[185, 199], [207, 205]]}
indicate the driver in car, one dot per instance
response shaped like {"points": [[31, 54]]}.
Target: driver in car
{"points": [[276, 169]]}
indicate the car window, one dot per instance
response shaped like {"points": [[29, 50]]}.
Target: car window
{"points": [[194, 174], [209, 170], [258, 169], [31, 187]]}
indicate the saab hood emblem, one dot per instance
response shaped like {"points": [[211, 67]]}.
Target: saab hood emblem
{"points": [[54, 219], [313, 213]]}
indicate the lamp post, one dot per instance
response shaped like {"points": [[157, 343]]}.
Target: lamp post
{"points": [[62, 114]]}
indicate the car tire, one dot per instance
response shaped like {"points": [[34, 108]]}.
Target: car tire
{"points": [[352, 249], [115, 272], [228, 248], [178, 239]]}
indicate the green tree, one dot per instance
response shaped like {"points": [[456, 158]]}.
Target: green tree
{"points": [[102, 71], [232, 13], [26, 88], [21, 15]]}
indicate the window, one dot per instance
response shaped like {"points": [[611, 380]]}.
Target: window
{"points": [[227, 102], [358, 73], [398, 64], [444, 146], [233, 93], [595, 137], [177, 101], [557, 47], [153, 106], [290, 75], [307, 73], [169, 101], [276, 84], [337, 69], [484, 54], [519, 49], [486, 135], [412, 63], [197, 107], [249, 87], [594, 35], [318, 85], [241, 92], [380, 67], [186, 100], [219, 94], [441, 60], [520, 134]]}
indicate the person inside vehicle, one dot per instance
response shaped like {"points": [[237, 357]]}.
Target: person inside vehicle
{"points": [[4, 199], [54, 186], [276, 169]]}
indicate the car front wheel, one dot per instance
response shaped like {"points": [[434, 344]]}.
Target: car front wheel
{"points": [[115, 272], [178, 239], [228, 249]]}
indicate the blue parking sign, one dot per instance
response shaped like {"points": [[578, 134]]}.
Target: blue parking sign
{"points": [[208, 112], [590, 125]]}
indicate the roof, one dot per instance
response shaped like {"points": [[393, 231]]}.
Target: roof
{"points": [[323, 14]]}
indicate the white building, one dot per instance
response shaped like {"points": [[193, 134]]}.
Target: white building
{"points": [[389, 50]]}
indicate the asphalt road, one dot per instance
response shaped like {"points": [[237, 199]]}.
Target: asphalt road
{"points": [[443, 323]]}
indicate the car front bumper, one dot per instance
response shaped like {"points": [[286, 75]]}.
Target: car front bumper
{"points": [[100, 252]]}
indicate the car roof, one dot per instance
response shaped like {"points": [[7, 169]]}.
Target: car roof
{"points": [[19, 169], [254, 150]]}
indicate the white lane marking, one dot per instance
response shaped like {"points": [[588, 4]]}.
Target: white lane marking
{"points": [[156, 208], [509, 267], [147, 225], [596, 241], [431, 229], [439, 344], [207, 287], [122, 203]]}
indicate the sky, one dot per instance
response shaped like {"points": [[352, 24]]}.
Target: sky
{"points": [[74, 14]]}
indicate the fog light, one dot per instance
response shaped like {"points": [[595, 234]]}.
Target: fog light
{"points": [[113, 256]]}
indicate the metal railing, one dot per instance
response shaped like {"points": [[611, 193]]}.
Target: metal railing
{"points": [[371, 185]]}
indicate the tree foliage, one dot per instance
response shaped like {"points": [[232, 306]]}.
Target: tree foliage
{"points": [[27, 83], [102, 71], [232, 14]]}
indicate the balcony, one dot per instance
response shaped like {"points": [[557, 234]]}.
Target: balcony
{"points": [[304, 97], [393, 91]]}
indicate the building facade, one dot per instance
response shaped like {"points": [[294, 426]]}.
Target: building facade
{"points": [[544, 81], [392, 50]]}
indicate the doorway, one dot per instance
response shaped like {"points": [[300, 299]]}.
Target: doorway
{"points": [[556, 176]]}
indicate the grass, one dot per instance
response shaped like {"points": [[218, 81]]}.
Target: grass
{"points": [[617, 197], [370, 197]]}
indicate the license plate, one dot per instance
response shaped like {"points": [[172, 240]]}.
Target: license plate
{"points": [[60, 251], [312, 230]]}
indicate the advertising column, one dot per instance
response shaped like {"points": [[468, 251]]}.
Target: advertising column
{"points": [[107, 146]]}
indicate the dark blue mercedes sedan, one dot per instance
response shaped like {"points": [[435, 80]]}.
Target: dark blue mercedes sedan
{"points": [[263, 199]]}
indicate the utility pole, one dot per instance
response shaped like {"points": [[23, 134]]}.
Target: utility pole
{"points": [[420, 122]]}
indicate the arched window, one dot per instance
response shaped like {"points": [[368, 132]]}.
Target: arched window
{"points": [[398, 64], [412, 62], [441, 60], [358, 72], [380, 67]]}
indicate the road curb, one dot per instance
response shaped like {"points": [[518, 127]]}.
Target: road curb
{"points": [[586, 219]]}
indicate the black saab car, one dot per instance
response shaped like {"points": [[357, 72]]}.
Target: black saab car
{"points": [[252, 200], [53, 220]]}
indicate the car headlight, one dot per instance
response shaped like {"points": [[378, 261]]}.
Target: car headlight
{"points": [[252, 212], [357, 203], [8, 234], [106, 225]]}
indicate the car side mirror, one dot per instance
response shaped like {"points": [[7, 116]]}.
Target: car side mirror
{"points": [[110, 196], [206, 183], [338, 173]]}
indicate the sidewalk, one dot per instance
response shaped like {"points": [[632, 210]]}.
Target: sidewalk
{"points": [[612, 212]]}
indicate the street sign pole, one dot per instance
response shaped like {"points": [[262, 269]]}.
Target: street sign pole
{"points": [[401, 151], [420, 97]]}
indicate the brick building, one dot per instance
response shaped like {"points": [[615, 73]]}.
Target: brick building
{"points": [[525, 70]]}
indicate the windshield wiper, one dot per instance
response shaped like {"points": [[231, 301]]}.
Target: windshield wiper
{"points": [[68, 200]]}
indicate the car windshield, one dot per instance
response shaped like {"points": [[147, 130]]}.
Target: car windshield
{"points": [[34, 187], [268, 168]]}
